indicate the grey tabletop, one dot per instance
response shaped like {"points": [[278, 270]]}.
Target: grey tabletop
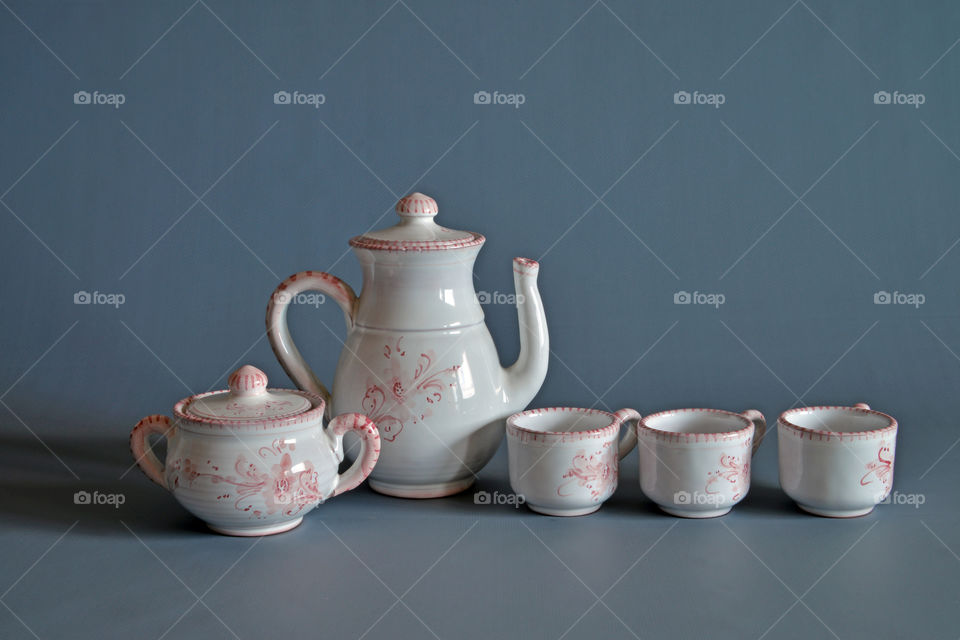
{"points": [[734, 205], [366, 565]]}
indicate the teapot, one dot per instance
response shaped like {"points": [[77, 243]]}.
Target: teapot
{"points": [[251, 461], [418, 359]]}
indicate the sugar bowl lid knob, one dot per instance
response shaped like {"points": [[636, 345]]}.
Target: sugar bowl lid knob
{"points": [[417, 205], [248, 399], [247, 381]]}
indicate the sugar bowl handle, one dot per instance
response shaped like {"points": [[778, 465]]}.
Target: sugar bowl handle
{"points": [[629, 440], [140, 446], [369, 448], [759, 427], [279, 333]]}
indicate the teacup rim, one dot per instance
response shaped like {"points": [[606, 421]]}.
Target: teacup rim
{"points": [[615, 422], [712, 436], [890, 427]]}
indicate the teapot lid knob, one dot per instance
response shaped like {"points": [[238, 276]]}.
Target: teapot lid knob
{"points": [[417, 205], [416, 231], [247, 381]]}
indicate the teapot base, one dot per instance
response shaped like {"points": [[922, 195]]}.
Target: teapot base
{"points": [[258, 531], [421, 491]]}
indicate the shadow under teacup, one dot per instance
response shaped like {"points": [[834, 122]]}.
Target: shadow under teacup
{"points": [[565, 461], [695, 463], [836, 461]]}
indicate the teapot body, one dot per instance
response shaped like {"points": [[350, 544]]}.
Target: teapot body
{"points": [[438, 399]]}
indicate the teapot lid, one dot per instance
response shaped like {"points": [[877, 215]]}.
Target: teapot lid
{"points": [[416, 230], [247, 399]]}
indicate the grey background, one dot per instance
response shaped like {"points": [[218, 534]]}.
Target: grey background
{"points": [[798, 199]]}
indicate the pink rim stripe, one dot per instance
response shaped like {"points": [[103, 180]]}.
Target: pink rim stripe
{"points": [[526, 266], [526, 435], [678, 436], [826, 435], [313, 414], [363, 242]]}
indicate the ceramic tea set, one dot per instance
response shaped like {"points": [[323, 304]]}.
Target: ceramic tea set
{"points": [[420, 388]]}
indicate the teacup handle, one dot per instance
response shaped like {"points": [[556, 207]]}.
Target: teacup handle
{"points": [[759, 427], [140, 446], [862, 405], [629, 439], [369, 448]]}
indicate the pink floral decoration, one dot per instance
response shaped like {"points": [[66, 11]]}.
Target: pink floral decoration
{"points": [[406, 391]]}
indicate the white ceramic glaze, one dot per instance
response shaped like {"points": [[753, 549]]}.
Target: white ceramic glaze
{"points": [[251, 461], [418, 359], [565, 461], [837, 461], [695, 463]]}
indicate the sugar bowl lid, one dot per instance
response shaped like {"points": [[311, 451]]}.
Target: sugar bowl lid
{"points": [[416, 230], [248, 400]]}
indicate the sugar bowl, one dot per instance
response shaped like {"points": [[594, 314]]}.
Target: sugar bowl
{"points": [[251, 461]]}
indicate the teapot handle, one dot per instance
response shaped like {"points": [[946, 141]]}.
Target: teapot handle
{"points": [[369, 448], [140, 447], [279, 333]]}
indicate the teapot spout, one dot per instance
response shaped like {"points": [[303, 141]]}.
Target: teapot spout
{"points": [[522, 380]]}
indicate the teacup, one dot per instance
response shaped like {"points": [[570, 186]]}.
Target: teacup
{"points": [[695, 463], [837, 461], [565, 461]]}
